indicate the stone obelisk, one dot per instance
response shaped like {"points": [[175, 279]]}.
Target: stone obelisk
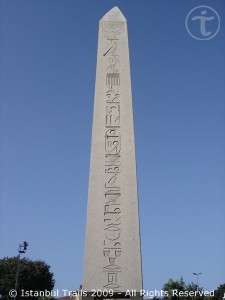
{"points": [[112, 258]]}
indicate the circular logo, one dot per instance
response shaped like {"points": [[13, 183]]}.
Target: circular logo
{"points": [[202, 22]]}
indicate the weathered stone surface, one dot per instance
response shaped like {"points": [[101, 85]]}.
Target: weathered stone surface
{"points": [[112, 257]]}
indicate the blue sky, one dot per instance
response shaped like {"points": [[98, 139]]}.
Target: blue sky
{"points": [[48, 59]]}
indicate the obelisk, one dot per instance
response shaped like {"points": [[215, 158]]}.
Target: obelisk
{"points": [[112, 258]]}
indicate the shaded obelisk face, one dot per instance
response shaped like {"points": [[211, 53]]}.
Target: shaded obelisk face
{"points": [[112, 259]]}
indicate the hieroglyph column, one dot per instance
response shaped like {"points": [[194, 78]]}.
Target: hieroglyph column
{"points": [[112, 258]]}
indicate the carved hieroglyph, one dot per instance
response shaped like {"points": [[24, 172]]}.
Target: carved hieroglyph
{"points": [[112, 259]]}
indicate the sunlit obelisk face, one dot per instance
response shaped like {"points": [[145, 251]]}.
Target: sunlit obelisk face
{"points": [[112, 259]]}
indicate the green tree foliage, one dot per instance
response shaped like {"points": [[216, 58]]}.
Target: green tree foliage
{"points": [[179, 287], [33, 275], [173, 285], [219, 293]]}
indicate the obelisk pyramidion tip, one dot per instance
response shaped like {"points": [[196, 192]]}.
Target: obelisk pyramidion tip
{"points": [[113, 15]]}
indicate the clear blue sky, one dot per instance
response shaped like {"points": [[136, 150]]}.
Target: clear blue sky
{"points": [[48, 59]]}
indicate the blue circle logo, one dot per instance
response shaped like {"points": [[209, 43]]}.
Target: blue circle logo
{"points": [[202, 22]]}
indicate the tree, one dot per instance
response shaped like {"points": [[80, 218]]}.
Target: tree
{"points": [[171, 285], [180, 290], [33, 275], [219, 293]]}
